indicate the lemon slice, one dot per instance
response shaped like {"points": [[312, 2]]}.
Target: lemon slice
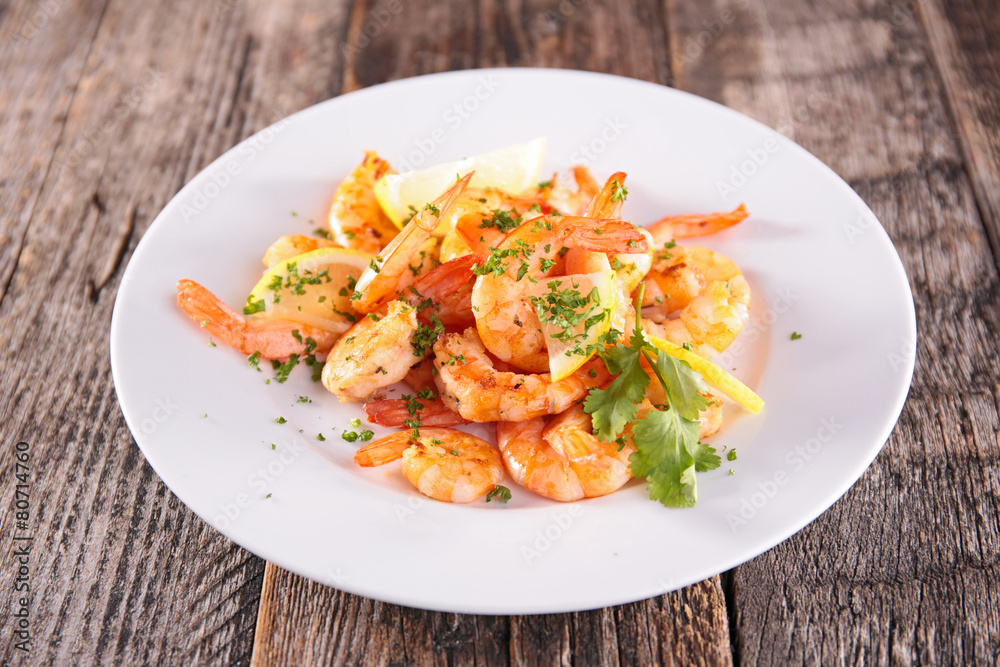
{"points": [[313, 288], [713, 375], [513, 169], [575, 312]]}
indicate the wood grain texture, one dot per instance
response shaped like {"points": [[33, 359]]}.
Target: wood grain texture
{"points": [[119, 106], [904, 568], [108, 107], [963, 36]]}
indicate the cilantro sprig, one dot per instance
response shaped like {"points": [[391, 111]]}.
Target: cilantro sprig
{"points": [[668, 450]]}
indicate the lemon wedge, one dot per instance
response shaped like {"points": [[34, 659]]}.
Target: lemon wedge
{"points": [[575, 311], [313, 288], [713, 375], [513, 169]]}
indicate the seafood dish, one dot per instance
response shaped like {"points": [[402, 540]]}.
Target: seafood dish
{"points": [[537, 307]]}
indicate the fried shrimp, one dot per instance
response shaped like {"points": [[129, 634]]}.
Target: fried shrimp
{"points": [[381, 280], [473, 388], [271, 338], [443, 463], [558, 457], [374, 353], [707, 298], [356, 219]]}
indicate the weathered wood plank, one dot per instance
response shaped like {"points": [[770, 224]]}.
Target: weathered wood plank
{"points": [[962, 35], [894, 569], [389, 40], [41, 73], [121, 572]]}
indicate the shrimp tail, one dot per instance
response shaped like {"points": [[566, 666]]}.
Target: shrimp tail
{"points": [[443, 280], [697, 224], [606, 204], [395, 413], [211, 313], [384, 450]]}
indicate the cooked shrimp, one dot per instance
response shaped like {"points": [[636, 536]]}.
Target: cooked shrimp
{"points": [[567, 201], [443, 463], [373, 354], [559, 458], [421, 375], [356, 219], [472, 387], [697, 224], [505, 316], [272, 338], [396, 412], [381, 280], [709, 319], [287, 247], [445, 293]]}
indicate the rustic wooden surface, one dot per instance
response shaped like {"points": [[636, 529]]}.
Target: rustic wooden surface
{"points": [[107, 107]]}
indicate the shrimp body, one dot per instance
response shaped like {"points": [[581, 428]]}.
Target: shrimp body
{"points": [[272, 338], [709, 300], [559, 458], [472, 387], [287, 247], [443, 463], [505, 317], [381, 280], [356, 219], [372, 354]]}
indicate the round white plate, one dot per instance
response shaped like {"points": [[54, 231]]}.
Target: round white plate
{"points": [[816, 258]]}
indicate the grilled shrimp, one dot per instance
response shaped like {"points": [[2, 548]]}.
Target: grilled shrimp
{"points": [[272, 338], [473, 388], [443, 463], [505, 317], [673, 227], [559, 458], [356, 219], [704, 292]]}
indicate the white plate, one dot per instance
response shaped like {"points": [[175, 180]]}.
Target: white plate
{"points": [[817, 260]]}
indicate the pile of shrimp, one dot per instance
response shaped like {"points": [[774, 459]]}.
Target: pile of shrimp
{"points": [[469, 342]]}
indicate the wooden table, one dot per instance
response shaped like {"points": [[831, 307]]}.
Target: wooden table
{"points": [[107, 107]]}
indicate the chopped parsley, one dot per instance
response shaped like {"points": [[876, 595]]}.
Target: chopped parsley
{"points": [[500, 492], [620, 191], [280, 420], [502, 221], [252, 306], [796, 335], [254, 361]]}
